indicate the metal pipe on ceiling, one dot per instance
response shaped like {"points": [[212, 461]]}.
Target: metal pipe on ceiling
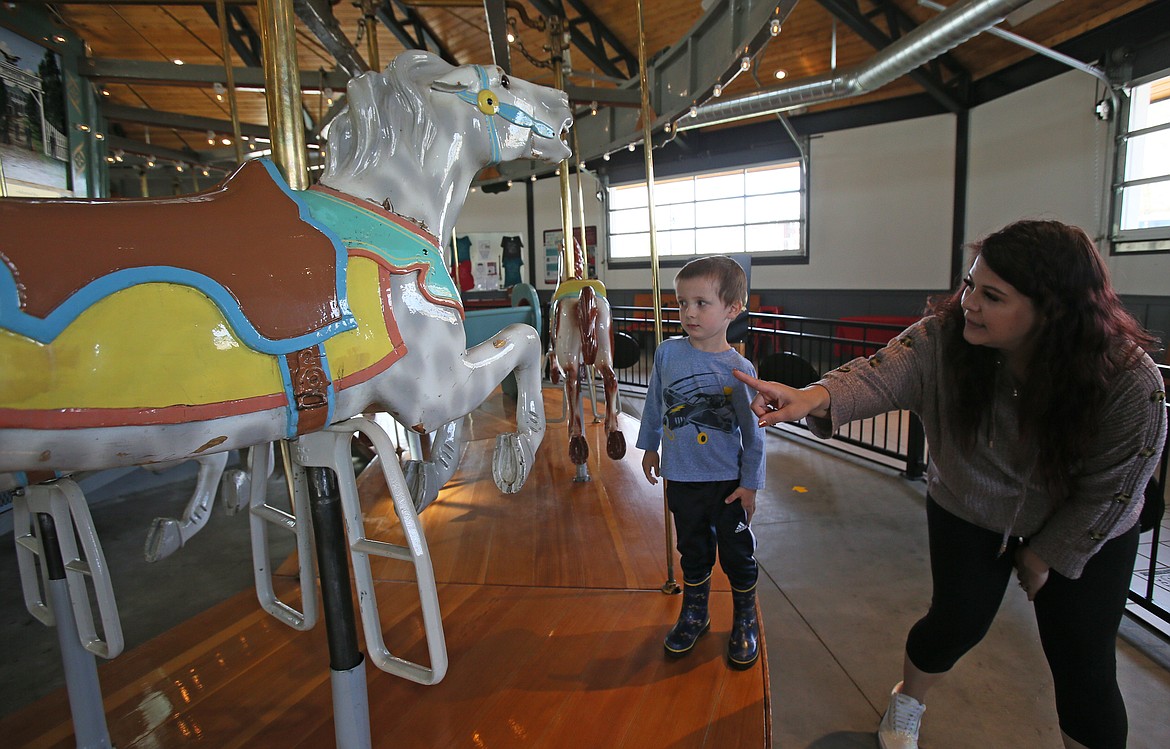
{"points": [[938, 35]]}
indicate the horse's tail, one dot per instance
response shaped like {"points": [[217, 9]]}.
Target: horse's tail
{"points": [[587, 322]]}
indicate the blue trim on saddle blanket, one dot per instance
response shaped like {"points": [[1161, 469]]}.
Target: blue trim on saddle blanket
{"points": [[46, 330], [365, 229]]}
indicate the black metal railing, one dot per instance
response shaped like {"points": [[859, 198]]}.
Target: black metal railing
{"points": [[1149, 590], [797, 350]]}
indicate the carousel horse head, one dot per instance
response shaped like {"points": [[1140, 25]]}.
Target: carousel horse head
{"points": [[424, 123]]}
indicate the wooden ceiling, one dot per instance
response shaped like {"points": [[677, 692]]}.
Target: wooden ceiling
{"points": [[811, 39]]}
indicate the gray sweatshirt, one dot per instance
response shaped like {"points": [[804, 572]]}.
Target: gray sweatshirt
{"points": [[997, 485]]}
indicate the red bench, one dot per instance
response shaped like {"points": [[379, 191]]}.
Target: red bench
{"points": [[868, 339]]}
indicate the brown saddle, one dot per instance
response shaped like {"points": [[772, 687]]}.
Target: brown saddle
{"points": [[245, 236]]}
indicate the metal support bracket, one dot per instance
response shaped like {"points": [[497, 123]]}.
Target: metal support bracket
{"points": [[64, 501], [330, 448], [261, 516]]}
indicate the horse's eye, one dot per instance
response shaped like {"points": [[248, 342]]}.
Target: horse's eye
{"points": [[505, 82]]}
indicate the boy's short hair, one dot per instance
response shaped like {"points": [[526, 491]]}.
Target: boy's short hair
{"points": [[728, 276]]}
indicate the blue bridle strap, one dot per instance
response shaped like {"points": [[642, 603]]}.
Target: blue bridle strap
{"points": [[509, 112]]}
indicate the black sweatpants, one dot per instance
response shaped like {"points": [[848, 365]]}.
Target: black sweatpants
{"points": [[704, 523], [1077, 620]]}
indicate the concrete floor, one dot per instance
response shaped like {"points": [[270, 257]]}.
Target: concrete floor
{"points": [[842, 547]]}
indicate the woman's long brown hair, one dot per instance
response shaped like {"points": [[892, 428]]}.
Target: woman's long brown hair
{"points": [[1084, 338]]}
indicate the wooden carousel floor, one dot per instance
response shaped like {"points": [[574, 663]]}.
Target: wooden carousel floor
{"points": [[553, 621]]}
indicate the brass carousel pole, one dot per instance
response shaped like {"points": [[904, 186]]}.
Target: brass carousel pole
{"points": [[670, 586], [371, 34], [581, 209], [221, 13], [556, 39], [282, 91]]}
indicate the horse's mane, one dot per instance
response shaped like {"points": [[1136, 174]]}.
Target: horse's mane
{"points": [[384, 110]]}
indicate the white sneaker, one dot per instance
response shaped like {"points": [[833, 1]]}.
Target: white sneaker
{"points": [[899, 726]]}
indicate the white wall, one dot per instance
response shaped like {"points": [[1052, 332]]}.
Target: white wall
{"points": [[882, 196], [879, 216], [1042, 153]]}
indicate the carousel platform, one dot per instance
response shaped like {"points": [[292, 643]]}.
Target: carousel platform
{"points": [[553, 618]]}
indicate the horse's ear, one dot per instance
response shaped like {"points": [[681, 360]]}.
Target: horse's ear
{"points": [[455, 80], [448, 87]]}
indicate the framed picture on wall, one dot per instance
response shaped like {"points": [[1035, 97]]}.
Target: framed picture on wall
{"points": [[552, 239], [34, 147]]}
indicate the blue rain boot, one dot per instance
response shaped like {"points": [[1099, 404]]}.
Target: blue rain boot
{"points": [[743, 647], [693, 620]]}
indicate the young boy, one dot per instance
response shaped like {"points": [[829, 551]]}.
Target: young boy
{"points": [[712, 454]]}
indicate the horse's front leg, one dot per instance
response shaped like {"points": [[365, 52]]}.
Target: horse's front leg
{"points": [[425, 478], [514, 349], [615, 441]]}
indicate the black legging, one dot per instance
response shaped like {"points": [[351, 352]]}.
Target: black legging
{"points": [[1077, 620]]}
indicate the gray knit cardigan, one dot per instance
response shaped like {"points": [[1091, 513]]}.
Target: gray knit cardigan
{"points": [[997, 486]]}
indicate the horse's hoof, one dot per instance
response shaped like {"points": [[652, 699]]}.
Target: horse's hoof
{"points": [[578, 450], [615, 445], [163, 539], [511, 462], [422, 493], [235, 490]]}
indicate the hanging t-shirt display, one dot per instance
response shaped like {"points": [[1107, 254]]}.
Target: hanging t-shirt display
{"points": [[513, 259]]}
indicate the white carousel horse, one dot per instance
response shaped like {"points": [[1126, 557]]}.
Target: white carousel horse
{"points": [[582, 335], [159, 330], [412, 138]]}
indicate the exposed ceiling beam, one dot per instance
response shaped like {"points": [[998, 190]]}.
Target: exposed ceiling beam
{"points": [[318, 16], [423, 37], [120, 113], [243, 38], [497, 24], [593, 44], [848, 12], [118, 143], [137, 71], [614, 97]]}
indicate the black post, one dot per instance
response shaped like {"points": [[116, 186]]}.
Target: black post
{"points": [[51, 547], [333, 566], [915, 449]]}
